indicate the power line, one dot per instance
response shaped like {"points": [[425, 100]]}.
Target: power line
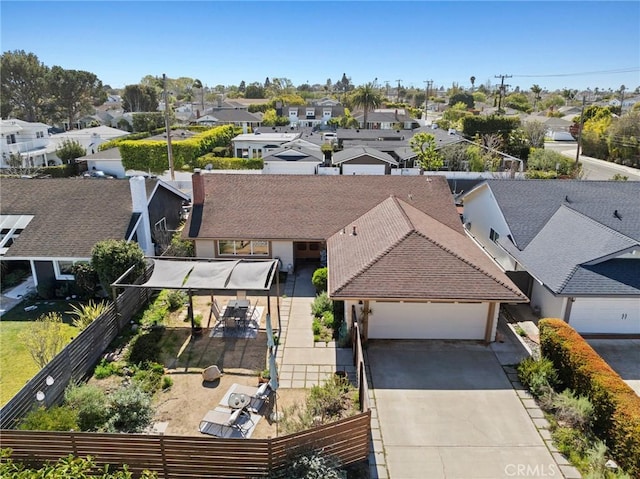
{"points": [[600, 72]]}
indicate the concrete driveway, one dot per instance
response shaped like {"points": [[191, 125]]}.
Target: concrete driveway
{"points": [[447, 410], [623, 355]]}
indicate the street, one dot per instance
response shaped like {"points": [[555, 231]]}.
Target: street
{"points": [[593, 168]]}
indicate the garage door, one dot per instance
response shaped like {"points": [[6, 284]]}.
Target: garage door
{"points": [[363, 169], [611, 316], [428, 320]]}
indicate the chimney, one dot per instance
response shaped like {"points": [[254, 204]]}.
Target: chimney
{"points": [[197, 182], [354, 233], [140, 205], [219, 101]]}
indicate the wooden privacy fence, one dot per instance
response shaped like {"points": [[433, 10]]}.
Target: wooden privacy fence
{"points": [[202, 457], [77, 359], [358, 362]]}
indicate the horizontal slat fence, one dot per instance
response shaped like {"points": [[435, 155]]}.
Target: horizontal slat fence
{"points": [[77, 359], [203, 457]]}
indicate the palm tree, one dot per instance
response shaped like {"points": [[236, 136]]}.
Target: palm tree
{"points": [[536, 90], [198, 84], [473, 82], [367, 97]]}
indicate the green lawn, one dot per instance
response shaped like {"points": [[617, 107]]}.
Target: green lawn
{"points": [[16, 365]]}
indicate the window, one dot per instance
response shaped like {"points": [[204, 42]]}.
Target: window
{"points": [[494, 235], [11, 139], [243, 248], [63, 269]]}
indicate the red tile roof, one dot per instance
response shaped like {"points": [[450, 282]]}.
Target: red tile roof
{"points": [[399, 252]]}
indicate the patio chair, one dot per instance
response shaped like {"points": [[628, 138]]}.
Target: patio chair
{"points": [[251, 311], [259, 396], [222, 422]]}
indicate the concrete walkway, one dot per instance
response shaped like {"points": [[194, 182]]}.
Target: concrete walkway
{"points": [[303, 363]]}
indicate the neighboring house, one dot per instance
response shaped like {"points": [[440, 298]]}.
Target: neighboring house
{"points": [[29, 140], [312, 115], [109, 161], [572, 246], [89, 138], [393, 240], [387, 119], [54, 223], [293, 161], [256, 145], [364, 160], [237, 117]]}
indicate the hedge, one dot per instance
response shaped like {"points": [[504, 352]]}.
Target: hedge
{"points": [[60, 171], [485, 125], [616, 405], [152, 155], [220, 163], [134, 136]]}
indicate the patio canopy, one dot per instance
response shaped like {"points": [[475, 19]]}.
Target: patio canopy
{"points": [[212, 275]]}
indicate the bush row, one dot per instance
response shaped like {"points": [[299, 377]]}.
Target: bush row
{"points": [[152, 155], [60, 171], [616, 406], [220, 163], [135, 136]]}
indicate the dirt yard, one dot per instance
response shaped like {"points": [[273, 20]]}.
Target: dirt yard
{"points": [[241, 359]]}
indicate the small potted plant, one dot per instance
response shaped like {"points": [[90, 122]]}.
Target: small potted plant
{"points": [[264, 376], [197, 325]]}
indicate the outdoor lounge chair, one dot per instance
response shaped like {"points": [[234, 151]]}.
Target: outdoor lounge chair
{"points": [[223, 422], [259, 396]]}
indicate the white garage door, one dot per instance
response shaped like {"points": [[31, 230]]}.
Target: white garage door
{"points": [[363, 169], [428, 320], [612, 316]]}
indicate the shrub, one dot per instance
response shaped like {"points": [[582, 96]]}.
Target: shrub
{"points": [[572, 443], [149, 376], [90, 404], [129, 410], [575, 411], [223, 163], [85, 314], [167, 382], [57, 418], [176, 299], [538, 375], [112, 258], [86, 279], [106, 368], [313, 465], [321, 304], [616, 406], [327, 319], [319, 279]]}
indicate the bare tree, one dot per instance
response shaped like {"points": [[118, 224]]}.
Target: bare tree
{"points": [[535, 132]]}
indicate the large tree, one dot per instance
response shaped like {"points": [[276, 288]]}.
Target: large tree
{"points": [[424, 144], [139, 98], [367, 98], [112, 258], [70, 150], [23, 80], [75, 91]]}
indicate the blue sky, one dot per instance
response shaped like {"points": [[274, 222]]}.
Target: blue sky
{"points": [[575, 44]]}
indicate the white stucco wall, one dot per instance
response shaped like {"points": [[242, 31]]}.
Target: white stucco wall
{"points": [[348, 169], [289, 168], [284, 251], [606, 315], [550, 306], [394, 320], [481, 214], [205, 249], [110, 167]]}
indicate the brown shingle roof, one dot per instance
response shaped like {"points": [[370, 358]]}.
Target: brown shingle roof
{"points": [[309, 207], [400, 252], [70, 214]]}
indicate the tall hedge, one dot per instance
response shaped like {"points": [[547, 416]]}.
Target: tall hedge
{"points": [[152, 155], [487, 125], [616, 405], [219, 163]]}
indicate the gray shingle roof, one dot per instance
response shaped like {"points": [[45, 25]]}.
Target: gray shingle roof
{"points": [[558, 251], [615, 277], [528, 204], [295, 154], [352, 153], [400, 252], [308, 207]]}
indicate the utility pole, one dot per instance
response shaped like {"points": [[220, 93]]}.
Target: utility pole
{"points": [[426, 99], [584, 100], [502, 88], [398, 90], [387, 85], [167, 127]]}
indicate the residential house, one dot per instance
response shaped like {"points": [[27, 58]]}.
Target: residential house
{"points": [[395, 243], [572, 246], [109, 161], [237, 117], [312, 115], [364, 160], [257, 144], [293, 160], [89, 138], [387, 119], [29, 140], [54, 223]]}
